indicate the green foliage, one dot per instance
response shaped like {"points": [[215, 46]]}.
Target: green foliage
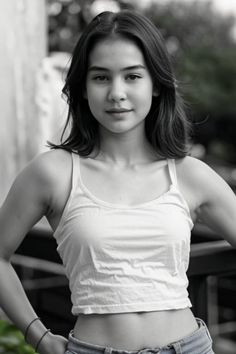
{"points": [[192, 23], [205, 53], [12, 340], [202, 43], [209, 74]]}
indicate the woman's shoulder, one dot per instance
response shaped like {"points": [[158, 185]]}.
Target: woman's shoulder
{"points": [[194, 177], [51, 160], [194, 169], [189, 162], [48, 167], [198, 176]]}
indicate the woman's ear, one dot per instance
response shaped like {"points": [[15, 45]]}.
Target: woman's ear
{"points": [[155, 92]]}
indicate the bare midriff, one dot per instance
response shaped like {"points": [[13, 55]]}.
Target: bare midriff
{"points": [[135, 331]]}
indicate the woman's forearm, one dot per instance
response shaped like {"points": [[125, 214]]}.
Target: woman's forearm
{"points": [[16, 305]]}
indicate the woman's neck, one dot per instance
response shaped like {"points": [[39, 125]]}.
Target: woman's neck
{"points": [[126, 149]]}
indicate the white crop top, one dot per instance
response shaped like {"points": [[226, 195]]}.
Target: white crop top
{"points": [[122, 258]]}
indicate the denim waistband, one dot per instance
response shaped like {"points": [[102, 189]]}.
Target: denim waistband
{"points": [[198, 342]]}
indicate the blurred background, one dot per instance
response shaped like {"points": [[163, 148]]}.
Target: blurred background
{"points": [[37, 38]]}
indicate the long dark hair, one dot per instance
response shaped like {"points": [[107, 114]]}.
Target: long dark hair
{"points": [[166, 125]]}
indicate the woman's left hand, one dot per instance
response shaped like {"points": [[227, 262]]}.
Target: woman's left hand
{"points": [[53, 344]]}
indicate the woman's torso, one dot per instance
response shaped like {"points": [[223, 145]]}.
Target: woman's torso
{"points": [[133, 331], [132, 185]]}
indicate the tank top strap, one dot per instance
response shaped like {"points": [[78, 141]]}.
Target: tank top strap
{"points": [[75, 170], [172, 171]]}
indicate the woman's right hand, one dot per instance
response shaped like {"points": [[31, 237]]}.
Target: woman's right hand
{"points": [[53, 344]]}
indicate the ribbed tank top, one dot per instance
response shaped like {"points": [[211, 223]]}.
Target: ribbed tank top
{"points": [[121, 258]]}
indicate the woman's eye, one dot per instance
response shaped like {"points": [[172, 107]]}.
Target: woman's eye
{"points": [[133, 77], [100, 78]]}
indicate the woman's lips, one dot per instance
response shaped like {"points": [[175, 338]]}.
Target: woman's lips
{"points": [[118, 113], [118, 110]]}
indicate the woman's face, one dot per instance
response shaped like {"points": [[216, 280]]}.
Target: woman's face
{"points": [[119, 88]]}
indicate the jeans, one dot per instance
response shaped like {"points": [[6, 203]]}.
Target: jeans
{"points": [[199, 342]]}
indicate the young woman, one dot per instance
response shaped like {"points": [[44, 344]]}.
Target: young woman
{"points": [[121, 195]]}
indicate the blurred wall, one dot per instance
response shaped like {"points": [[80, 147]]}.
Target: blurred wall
{"points": [[23, 44]]}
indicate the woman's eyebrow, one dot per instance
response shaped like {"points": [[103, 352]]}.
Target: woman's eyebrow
{"points": [[132, 67]]}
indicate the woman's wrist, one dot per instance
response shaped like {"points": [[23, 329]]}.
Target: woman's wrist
{"points": [[52, 344], [45, 343], [28, 327], [40, 341], [35, 332]]}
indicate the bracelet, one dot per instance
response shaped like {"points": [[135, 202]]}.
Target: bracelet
{"points": [[40, 340], [27, 328]]}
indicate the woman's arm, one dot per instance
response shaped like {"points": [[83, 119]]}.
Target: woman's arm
{"points": [[28, 200], [214, 199]]}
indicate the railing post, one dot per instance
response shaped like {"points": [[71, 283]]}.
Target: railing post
{"points": [[198, 291]]}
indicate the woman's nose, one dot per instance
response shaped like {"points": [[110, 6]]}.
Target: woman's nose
{"points": [[117, 91]]}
